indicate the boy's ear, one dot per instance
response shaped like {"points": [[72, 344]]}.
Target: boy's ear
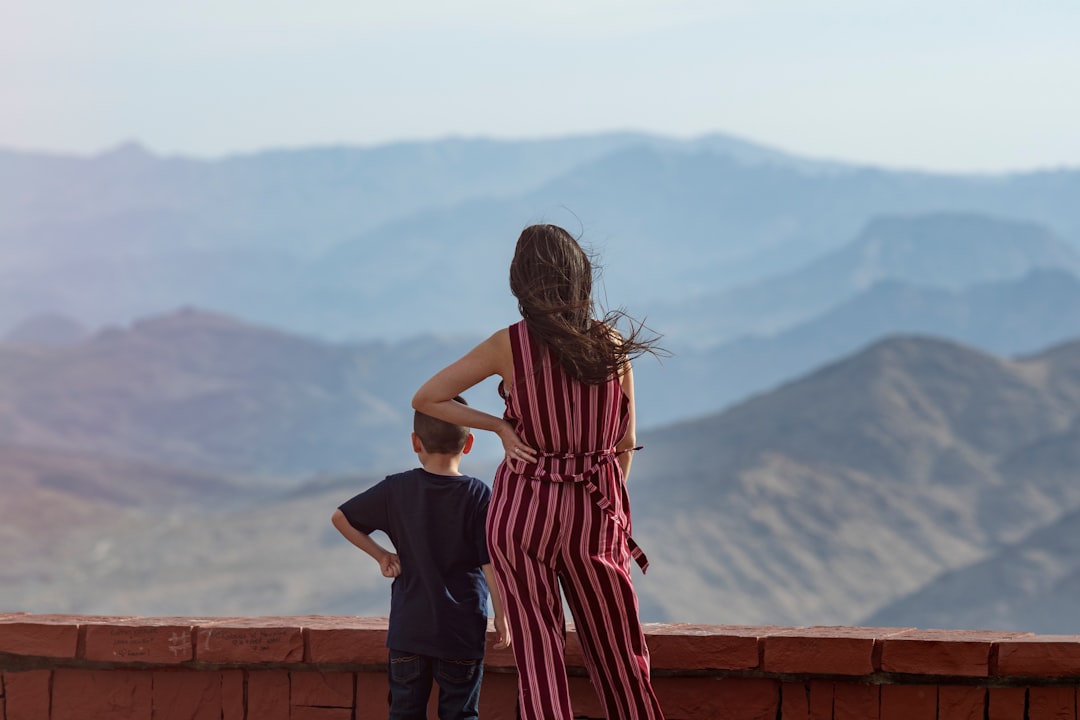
{"points": [[468, 444], [417, 446]]}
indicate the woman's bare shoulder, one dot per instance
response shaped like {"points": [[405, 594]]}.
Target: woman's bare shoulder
{"points": [[499, 339]]}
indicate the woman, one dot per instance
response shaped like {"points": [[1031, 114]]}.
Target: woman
{"points": [[559, 511]]}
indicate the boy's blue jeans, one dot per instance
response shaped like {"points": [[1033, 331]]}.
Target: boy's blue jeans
{"points": [[410, 686]]}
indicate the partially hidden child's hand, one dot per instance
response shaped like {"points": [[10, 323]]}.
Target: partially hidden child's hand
{"points": [[390, 565], [502, 633]]}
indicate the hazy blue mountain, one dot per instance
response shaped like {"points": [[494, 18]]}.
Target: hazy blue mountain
{"points": [[298, 201], [47, 329], [1009, 317], [943, 250], [339, 241], [680, 234]]}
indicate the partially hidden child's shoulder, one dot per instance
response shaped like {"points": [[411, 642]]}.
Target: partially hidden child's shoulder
{"points": [[480, 489]]}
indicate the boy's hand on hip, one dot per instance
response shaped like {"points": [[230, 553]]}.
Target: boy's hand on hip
{"points": [[390, 565]]}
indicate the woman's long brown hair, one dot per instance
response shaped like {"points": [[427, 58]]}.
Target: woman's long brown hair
{"points": [[552, 276]]}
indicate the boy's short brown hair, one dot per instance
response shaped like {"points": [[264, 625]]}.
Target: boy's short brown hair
{"points": [[439, 436]]}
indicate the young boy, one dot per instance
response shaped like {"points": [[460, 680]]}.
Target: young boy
{"points": [[435, 518]]}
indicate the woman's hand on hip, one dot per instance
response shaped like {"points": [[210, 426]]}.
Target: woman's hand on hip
{"points": [[514, 447]]}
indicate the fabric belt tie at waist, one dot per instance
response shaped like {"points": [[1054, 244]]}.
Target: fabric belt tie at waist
{"points": [[586, 478]]}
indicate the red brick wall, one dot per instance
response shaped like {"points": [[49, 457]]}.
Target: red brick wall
{"points": [[332, 668]]}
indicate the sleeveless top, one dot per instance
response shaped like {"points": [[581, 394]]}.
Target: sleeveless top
{"points": [[574, 428]]}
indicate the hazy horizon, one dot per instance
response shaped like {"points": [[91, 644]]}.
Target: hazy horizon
{"points": [[960, 87]]}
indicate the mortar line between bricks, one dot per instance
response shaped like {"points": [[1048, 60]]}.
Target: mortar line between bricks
{"points": [[883, 678], [20, 663]]}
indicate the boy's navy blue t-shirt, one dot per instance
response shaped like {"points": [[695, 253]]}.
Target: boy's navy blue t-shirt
{"points": [[438, 605]]}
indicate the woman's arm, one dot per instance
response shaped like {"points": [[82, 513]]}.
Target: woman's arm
{"points": [[629, 440], [493, 356]]}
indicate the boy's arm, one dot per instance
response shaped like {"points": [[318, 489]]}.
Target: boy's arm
{"points": [[389, 563], [502, 628]]}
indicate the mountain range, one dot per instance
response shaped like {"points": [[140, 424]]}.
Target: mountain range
{"points": [[869, 412], [361, 243], [872, 487]]}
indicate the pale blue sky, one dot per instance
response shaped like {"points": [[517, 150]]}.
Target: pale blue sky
{"points": [[944, 85]]}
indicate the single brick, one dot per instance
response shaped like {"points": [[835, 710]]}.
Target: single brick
{"points": [[575, 656], [26, 694], [232, 695], [703, 647], [582, 697], [823, 650], [373, 696], [318, 689], [794, 701], [268, 694], [940, 652], [187, 695], [909, 702], [255, 640], [39, 636], [1052, 703], [357, 641], [112, 694], [1040, 656], [856, 701], [498, 696], [821, 699], [960, 702], [144, 642], [718, 698], [1006, 704]]}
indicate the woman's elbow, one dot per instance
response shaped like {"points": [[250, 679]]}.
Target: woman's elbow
{"points": [[421, 400]]}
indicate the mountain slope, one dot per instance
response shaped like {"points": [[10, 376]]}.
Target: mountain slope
{"points": [[203, 391], [57, 504], [834, 494], [1032, 586]]}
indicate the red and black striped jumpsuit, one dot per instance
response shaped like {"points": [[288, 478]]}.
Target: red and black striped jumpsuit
{"points": [[566, 518]]}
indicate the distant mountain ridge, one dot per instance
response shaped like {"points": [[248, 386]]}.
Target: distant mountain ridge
{"points": [[948, 250], [324, 241], [1006, 317], [203, 390]]}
